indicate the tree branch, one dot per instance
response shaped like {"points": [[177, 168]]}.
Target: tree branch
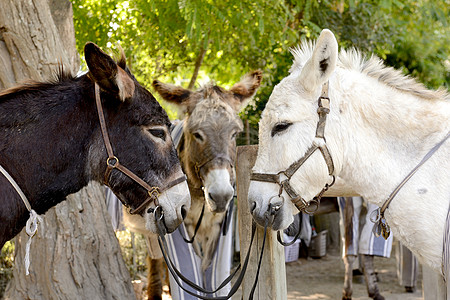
{"points": [[198, 64]]}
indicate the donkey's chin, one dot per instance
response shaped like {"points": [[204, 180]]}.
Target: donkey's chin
{"points": [[218, 202], [215, 207]]}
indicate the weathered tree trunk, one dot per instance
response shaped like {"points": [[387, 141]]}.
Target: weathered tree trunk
{"points": [[75, 254], [30, 44]]}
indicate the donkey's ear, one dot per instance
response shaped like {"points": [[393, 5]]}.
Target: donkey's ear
{"points": [[321, 65], [245, 89], [109, 76], [172, 93]]}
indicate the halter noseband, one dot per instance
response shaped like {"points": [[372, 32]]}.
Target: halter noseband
{"points": [[198, 166], [283, 178], [112, 162]]}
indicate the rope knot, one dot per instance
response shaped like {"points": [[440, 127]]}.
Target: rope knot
{"points": [[31, 229]]}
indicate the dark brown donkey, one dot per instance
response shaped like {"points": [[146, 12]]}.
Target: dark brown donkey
{"points": [[51, 144]]}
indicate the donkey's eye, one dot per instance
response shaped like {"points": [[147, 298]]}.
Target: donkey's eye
{"points": [[159, 133], [234, 135], [198, 136], [280, 127]]}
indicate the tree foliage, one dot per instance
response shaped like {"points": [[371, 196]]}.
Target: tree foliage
{"points": [[176, 40]]}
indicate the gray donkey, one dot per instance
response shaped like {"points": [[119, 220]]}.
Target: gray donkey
{"points": [[207, 154]]}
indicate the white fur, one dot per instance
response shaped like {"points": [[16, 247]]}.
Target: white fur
{"points": [[171, 202], [379, 127], [217, 182]]}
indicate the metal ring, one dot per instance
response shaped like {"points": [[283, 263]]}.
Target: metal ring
{"points": [[375, 216], [108, 161], [158, 211], [334, 179], [277, 196], [314, 203], [274, 208], [285, 175]]}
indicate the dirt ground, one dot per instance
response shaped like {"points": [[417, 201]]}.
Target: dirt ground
{"points": [[323, 279], [314, 279]]}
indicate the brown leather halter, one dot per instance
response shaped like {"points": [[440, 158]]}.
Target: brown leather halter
{"points": [[198, 166], [112, 162], [282, 178]]}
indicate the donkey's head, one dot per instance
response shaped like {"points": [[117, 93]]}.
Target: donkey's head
{"points": [[138, 129], [211, 125], [289, 131]]}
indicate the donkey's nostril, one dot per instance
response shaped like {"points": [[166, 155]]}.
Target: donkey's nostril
{"points": [[253, 207], [210, 196], [183, 212]]}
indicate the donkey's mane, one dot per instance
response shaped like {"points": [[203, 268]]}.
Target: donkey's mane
{"points": [[354, 59], [60, 77]]}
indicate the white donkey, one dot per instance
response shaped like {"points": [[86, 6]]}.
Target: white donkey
{"points": [[379, 126]]}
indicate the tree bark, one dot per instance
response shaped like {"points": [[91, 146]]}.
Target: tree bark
{"points": [[30, 44], [75, 254]]}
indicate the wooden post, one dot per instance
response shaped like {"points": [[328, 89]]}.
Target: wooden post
{"points": [[272, 277]]}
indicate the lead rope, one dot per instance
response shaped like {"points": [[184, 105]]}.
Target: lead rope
{"points": [[197, 226], [446, 253], [381, 226], [32, 222], [177, 274]]}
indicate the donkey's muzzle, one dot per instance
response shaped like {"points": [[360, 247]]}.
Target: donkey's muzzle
{"points": [[175, 203]]}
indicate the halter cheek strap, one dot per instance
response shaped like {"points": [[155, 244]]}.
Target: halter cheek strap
{"points": [[112, 162]]}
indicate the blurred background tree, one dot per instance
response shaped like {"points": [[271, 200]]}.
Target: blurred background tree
{"points": [[189, 42]]}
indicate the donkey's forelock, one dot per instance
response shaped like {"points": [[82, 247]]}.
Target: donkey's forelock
{"points": [[210, 99], [212, 91]]}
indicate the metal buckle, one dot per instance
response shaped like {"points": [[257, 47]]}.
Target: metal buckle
{"points": [[324, 104], [154, 192]]}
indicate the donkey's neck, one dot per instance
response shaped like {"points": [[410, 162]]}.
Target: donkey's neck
{"points": [[45, 141], [384, 133]]}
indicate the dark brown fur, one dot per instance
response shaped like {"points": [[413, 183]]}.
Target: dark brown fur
{"points": [[50, 140]]}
